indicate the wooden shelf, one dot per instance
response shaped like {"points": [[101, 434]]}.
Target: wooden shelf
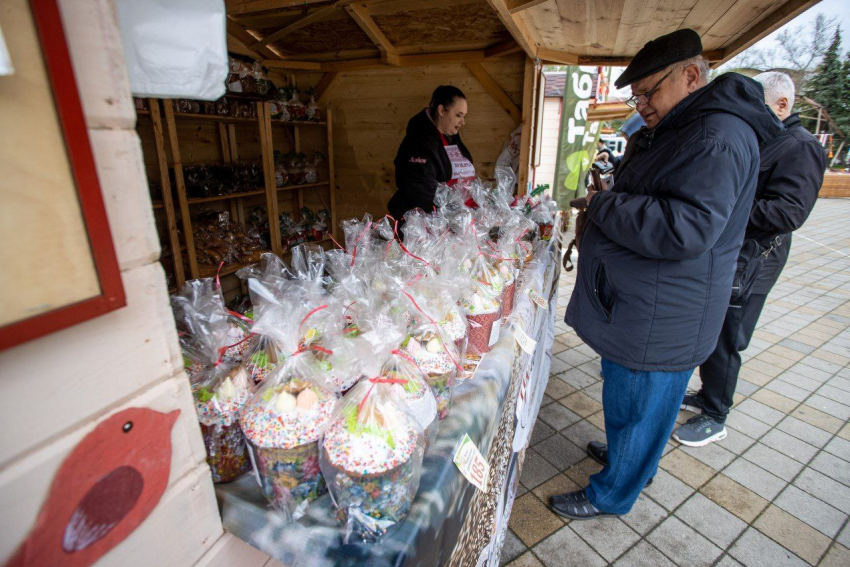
{"points": [[297, 122], [213, 117], [200, 200], [165, 132], [303, 186]]}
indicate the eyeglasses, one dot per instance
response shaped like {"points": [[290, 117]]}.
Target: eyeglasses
{"points": [[635, 100]]}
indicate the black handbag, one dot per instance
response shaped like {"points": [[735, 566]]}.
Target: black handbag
{"points": [[750, 262]]}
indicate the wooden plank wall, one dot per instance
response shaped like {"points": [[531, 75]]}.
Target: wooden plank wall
{"points": [[55, 389], [371, 111]]}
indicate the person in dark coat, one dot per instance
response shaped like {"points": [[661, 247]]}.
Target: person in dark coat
{"points": [[658, 254], [790, 176], [431, 152]]}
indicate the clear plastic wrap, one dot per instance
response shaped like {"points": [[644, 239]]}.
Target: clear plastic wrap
{"points": [[482, 307], [213, 342], [292, 406], [371, 457]]}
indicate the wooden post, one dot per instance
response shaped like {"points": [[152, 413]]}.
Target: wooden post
{"points": [[264, 121], [177, 164], [167, 200], [298, 194], [529, 92], [820, 113], [331, 173]]}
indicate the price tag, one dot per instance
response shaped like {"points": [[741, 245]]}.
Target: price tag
{"points": [[526, 343], [536, 298], [494, 332], [471, 464]]}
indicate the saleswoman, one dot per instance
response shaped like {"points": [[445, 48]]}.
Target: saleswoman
{"points": [[431, 152]]}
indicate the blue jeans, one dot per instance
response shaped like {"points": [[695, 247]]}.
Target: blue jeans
{"points": [[640, 411]]}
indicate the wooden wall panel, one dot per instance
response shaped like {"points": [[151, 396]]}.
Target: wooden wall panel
{"points": [[371, 111]]}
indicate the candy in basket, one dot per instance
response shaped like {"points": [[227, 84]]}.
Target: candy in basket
{"points": [[371, 456]]}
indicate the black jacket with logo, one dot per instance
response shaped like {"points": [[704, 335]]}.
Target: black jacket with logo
{"points": [[420, 165], [790, 176]]}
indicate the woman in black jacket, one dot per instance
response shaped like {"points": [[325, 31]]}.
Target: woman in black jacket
{"points": [[431, 152]]}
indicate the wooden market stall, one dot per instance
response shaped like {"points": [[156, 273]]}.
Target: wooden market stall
{"points": [[373, 65]]}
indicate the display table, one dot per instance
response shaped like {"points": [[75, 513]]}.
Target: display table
{"points": [[450, 522]]}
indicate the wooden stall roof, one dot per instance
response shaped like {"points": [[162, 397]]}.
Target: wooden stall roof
{"points": [[340, 35]]}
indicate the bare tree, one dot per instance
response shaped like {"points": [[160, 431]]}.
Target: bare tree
{"points": [[800, 48]]}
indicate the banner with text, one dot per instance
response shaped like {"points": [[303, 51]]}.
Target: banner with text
{"points": [[577, 141]]}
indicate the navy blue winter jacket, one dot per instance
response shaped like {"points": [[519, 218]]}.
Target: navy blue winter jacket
{"points": [[659, 251]]}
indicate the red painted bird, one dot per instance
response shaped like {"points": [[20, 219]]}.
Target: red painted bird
{"points": [[105, 488]]}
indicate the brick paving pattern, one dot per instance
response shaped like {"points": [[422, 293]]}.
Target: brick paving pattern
{"points": [[775, 492]]}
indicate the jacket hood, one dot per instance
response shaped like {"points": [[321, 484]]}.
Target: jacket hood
{"points": [[421, 125], [731, 93]]}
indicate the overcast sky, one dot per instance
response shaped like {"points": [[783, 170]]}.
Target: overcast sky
{"points": [[839, 8]]}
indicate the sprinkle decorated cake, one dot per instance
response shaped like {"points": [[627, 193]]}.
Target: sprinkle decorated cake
{"points": [[218, 399], [372, 462], [283, 423]]}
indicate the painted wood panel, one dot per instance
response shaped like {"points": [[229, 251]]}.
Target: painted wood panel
{"points": [[91, 28], [120, 168], [73, 375], [23, 485]]}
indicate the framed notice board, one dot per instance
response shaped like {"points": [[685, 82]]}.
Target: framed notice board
{"points": [[58, 261]]}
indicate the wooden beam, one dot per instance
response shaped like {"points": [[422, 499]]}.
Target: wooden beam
{"points": [[423, 60], [495, 91], [515, 27], [243, 36], [557, 57], [515, 6], [624, 60], [316, 16], [360, 14], [252, 6], [287, 64], [772, 22], [528, 102], [500, 49], [324, 84]]}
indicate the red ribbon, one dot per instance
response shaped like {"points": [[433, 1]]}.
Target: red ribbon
{"points": [[240, 316], [378, 380], [224, 349], [316, 348], [356, 240], [304, 320], [217, 272]]}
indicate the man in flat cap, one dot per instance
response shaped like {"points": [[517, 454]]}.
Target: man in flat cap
{"points": [[658, 255]]}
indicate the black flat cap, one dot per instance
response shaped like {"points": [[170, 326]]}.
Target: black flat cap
{"points": [[660, 53]]}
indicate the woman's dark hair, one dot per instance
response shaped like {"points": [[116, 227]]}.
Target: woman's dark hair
{"points": [[445, 95]]}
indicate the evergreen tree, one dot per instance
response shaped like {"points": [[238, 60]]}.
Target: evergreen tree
{"points": [[828, 86]]}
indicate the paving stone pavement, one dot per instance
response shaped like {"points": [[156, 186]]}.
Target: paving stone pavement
{"points": [[775, 492]]}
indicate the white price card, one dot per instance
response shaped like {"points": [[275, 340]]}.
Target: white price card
{"points": [[526, 343], [536, 298], [471, 464], [494, 332]]}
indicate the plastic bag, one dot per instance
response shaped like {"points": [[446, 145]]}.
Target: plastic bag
{"points": [[483, 308], [175, 49], [371, 457], [219, 393], [213, 342], [286, 416]]}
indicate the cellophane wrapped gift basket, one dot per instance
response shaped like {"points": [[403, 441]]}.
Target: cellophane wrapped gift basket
{"points": [[214, 342]]}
